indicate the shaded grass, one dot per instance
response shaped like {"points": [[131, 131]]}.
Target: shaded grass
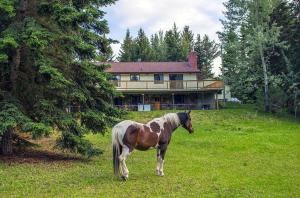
{"points": [[233, 153]]}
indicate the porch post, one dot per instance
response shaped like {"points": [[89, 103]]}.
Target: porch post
{"points": [[217, 100], [173, 100], [143, 96]]}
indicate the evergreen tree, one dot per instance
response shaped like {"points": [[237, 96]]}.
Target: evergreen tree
{"points": [[158, 50], [47, 77], [187, 42], [262, 35], [155, 48], [207, 51], [173, 47], [142, 49], [285, 59], [127, 49], [237, 70]]}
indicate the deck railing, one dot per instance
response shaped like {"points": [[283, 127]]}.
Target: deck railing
{"points": [[169, 85]]}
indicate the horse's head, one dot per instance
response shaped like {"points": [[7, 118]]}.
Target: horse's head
{"points": [[186, 121]]}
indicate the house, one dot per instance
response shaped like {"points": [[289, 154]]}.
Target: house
{"points": [[163, 85], [227, 94]]}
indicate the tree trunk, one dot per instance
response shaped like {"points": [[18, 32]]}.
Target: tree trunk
{"points": [[286, 60], [14, 70], [6, 142], [266, 80], [295, 104]]}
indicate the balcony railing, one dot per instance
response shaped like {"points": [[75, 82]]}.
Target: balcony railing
{"points": [[182, 85]]}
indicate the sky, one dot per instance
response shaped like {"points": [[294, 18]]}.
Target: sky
{"points": [[203, 17]]}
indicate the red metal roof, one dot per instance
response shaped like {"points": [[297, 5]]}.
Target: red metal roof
{"points": [[150, 67]]}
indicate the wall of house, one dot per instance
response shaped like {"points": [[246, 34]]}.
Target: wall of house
{"points": [[150, 77], [147, 81], [227, 93]]}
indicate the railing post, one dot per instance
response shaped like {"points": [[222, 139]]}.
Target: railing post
{"points": [[186, 84]]}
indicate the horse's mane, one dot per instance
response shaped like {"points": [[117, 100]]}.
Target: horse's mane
{"points": [[173, 119]]}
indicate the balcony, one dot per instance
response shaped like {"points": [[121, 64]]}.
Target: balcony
{"points": [[169, 85]]}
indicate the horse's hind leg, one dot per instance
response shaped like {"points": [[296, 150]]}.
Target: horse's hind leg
{"points": [[123, 157]]}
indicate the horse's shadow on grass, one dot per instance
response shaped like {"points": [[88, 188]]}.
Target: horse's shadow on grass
{"points": [[40, 156]]}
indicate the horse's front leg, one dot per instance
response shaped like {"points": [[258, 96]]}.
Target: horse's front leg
{"points": [[161, 151], [158, 161]]}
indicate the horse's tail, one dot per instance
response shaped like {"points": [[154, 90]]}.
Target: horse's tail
{"points": [[116, 151]]}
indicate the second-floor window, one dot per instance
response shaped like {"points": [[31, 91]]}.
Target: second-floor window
{"points": [[159, 78], [134, 77], [116, 79]]}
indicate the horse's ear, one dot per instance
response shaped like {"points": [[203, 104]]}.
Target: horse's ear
{"points": [[189, 112]]}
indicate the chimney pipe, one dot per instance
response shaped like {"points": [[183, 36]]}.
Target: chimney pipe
{"points": [[192, 59]]}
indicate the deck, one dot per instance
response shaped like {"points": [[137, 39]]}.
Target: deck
{"points": [[168, 85]]}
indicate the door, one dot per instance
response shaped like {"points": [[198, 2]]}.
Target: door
{"points": [[136, 99], [176, 81]]}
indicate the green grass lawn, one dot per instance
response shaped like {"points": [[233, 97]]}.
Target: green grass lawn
{"points": [[233, 153]]}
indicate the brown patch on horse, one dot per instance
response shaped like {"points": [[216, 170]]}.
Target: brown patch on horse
{"points": [[146, 139], [130, 136], [155, 127], [139, 137]]}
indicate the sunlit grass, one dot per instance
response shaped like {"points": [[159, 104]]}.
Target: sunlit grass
{"points": [[233, 153]]}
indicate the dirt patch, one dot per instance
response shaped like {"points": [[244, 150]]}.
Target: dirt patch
{"points": [[40, 156]]}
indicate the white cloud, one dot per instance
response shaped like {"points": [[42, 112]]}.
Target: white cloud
{"points": [[153, 15]]}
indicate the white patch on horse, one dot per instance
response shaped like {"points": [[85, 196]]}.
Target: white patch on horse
{"points": [[173, 119], [120, 129]]}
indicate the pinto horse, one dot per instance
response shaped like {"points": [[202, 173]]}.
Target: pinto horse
{"points": [[129, 135]]}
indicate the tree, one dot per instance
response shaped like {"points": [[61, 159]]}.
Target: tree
{"points": [[187, 42], [263, 35], [127, 48], [142, 47], [207, 51], [285, 60], [172, 42], [47, 77]]}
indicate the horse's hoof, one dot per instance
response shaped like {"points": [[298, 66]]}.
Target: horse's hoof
{"points": [[159, 173], [124, 178]]}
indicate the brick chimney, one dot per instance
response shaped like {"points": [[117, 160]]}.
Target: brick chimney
{"points": [[193, 59]]}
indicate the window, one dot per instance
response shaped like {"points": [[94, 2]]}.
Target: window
{"points": [[116, 78], [134, 77], [158, 78]]}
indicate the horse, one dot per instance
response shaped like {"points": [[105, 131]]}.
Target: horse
{"points": [[129, 135]]}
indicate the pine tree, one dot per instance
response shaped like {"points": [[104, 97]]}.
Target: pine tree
{"points": [[285, 59], [158, 50], [172, 42], [47, 77], [187, 42], [142, 49], [127, 49], [237, 68], [262, 36], [207, 51], [155, 48]]}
